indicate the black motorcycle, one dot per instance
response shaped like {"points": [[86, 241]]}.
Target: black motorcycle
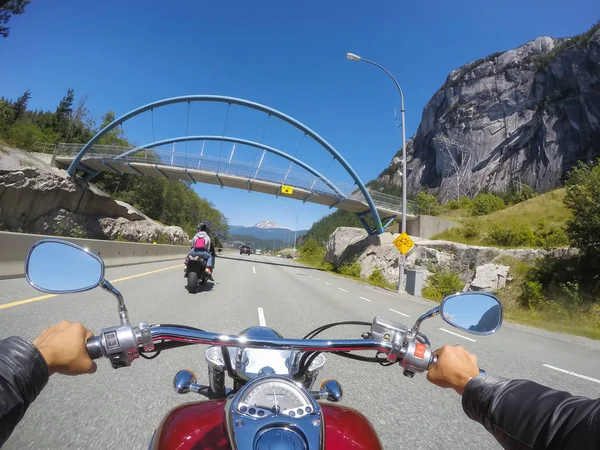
{"points": [[195, 272]]}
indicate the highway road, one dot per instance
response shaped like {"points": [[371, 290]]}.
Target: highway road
{"points": [[121, 408]]}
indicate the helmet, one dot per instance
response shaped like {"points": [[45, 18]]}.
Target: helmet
{"points": [[202, 227]]}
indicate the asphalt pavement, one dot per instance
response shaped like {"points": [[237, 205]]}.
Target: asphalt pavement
{"points": [[121, 408]]}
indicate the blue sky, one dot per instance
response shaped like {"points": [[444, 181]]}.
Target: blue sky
{"points": [[287, 55]]}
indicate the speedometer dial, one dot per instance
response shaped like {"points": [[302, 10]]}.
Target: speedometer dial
{"points": [[275, 397]]}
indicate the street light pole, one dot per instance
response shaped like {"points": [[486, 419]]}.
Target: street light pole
{"points": [[402, 258], [296, 228]]}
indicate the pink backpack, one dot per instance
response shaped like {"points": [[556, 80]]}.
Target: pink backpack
{"points": [[200, 244]]}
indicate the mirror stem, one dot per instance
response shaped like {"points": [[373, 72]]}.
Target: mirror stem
{"points": [[122, 309], [428, 315]]}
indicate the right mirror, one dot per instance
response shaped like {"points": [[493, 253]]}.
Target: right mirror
{"points": [[474, 312]]}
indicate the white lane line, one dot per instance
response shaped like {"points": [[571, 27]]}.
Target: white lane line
{"points": [[317, 279], [253, 270], [365, 299], [310, 276], [459, 335], [328, 284], [261, 317], [344, 290], [398, 312], [571, 373]]}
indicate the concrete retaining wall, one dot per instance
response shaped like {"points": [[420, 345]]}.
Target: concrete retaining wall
{"points": [[428, 226], [14, 248]]}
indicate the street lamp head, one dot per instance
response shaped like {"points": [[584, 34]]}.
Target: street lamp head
{"points": [[353, 57]]}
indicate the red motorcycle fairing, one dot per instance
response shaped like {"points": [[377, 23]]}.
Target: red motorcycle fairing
{"points": [[201, 426]]}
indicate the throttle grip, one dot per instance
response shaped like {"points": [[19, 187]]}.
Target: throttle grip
{"points": [[94, 347], [434, 359]]}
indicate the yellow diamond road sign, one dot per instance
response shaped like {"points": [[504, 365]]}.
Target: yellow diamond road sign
{"points": [[287, 190], [404, 243]]}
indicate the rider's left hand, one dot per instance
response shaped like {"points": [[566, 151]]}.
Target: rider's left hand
{"points": [[63, 346]]}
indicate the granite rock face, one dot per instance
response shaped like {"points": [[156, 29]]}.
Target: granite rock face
{"points": [[527, 115]]}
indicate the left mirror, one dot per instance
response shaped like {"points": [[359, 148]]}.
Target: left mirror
{"points": [[59, 267]]}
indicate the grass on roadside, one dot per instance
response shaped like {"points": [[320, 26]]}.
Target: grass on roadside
{"points": [[552, 318], [537, 222]]}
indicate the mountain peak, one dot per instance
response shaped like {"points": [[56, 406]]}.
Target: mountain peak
{"points": [[267, 224]]}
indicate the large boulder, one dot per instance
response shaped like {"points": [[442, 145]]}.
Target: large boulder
{"points": [[489, 278], [340, 247]]}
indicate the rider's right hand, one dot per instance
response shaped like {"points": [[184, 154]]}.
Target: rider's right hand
{"points": [[64, 350], [454, 368]]}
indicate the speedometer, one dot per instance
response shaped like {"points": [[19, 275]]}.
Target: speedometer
{"points": [[274, 397]]}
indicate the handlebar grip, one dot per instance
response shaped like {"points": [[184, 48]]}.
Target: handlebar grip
{"points": [[434, 359], [94, 347]]}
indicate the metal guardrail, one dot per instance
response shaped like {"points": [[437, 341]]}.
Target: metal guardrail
{"points": [[241, 169]]}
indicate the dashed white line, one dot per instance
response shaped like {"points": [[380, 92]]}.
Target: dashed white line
{"points": [[328, 284], [317, 279], [253, 270], [310, 276], [365, 299], [398, 312], [261, 317], [571, 373], [344, 290], [459, 335]]}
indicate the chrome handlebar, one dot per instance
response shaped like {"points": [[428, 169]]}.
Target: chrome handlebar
{"points": [[122, 344]]}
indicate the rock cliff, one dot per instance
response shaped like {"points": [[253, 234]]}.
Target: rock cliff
{"points": [[527, 115], [37, 198]]}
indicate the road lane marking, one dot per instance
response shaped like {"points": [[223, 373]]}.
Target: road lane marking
{"points": [[571, 373], [310, 276], [344, 290], [328, 284], [254, 270], [317, 279], [459, 335], [145, 273], [29, 300], [398, 312], [261, 317], [365, 299], [43, 297]]}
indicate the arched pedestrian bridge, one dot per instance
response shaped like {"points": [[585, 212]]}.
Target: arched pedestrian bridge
{"points": [[163, 158]]}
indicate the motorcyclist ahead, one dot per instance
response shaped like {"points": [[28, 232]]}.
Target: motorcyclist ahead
{"points": [[203, 247]]}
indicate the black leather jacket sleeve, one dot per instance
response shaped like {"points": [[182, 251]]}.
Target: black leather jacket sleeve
{"points": [[522, 414], [23, 375]]}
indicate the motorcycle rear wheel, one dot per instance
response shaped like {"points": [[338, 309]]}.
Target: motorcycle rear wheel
{"points": [[192, 282]]}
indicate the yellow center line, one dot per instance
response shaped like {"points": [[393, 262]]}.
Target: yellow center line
{"points": [[43, 297]]}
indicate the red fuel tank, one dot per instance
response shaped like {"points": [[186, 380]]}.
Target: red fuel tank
{"points": [[201, 426]]}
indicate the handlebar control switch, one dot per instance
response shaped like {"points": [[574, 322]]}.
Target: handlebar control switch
{"points": [[417, 357], [120, 345]]}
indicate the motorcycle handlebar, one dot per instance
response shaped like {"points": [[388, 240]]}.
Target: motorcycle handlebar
{"points": [[94, 347]]}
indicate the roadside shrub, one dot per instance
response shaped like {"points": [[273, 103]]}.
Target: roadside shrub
{"points": [[532, 295], [463, 202], [350, 269], [486, 203], [440, 284], [426, 204], [376, 278], [517, 234], [471, 227]]}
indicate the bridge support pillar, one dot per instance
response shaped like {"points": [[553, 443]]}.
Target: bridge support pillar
{"points": [[374, 231]]}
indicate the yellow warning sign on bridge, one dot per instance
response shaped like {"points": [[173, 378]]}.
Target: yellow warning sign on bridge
{"points": [[404, 243], [287, 190]]}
